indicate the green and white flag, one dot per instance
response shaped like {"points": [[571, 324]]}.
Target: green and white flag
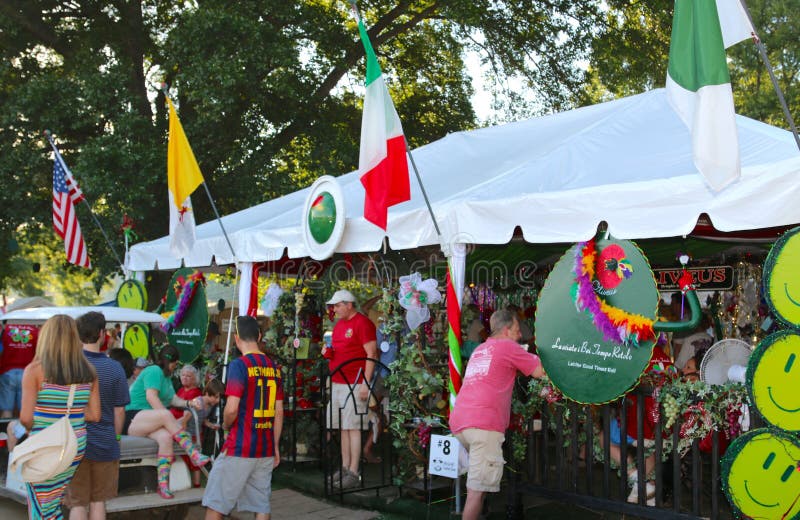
{"points": [[699, 86]]}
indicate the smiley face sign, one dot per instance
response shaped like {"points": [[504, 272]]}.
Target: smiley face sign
{"points": [[781, 281], [132, 295], [760, 476], [773, 373]]}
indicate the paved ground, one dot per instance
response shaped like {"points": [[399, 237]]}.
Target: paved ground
{"points": [[11, 510], [287, 504]]}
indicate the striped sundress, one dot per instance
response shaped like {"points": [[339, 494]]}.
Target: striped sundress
{"points": [[44, 499]]}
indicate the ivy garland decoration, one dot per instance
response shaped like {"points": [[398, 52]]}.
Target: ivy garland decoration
{"points": [[416, 390], [616, 325], [696, 408], [188, 291]]}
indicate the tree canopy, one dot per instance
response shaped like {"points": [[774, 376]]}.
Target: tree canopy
{"points": [[631, 51], [270, 93]]}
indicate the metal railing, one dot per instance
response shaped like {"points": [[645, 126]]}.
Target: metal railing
{"points": [[371, 477], [563, 462]]}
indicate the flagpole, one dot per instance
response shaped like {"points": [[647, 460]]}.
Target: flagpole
{"points": [[424, 193], [454, 360], [49, 136], [763, 52], [216, 213]]}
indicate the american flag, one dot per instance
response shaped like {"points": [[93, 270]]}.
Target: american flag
{"points": [[66, 194]]}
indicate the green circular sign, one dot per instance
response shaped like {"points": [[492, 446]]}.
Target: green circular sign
{"points": [[781, 284], [136, 340], [578, 360], [760, 477], [772, 375], [190, 335], [322, 217], [132, 295]]}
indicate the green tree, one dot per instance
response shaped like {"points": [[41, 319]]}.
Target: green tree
{"points": [[269, 93], [631, 50], [41, 270]]}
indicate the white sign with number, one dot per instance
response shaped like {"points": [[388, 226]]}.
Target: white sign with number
{"points": [[443, 459]]}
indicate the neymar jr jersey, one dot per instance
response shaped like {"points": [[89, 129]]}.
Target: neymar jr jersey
{"points": [[255, 380]]}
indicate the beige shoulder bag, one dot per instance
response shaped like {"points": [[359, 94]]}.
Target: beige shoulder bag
{"points": [[49, 452]]}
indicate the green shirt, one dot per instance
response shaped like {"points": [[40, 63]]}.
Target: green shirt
{"points": [[151, 377]]}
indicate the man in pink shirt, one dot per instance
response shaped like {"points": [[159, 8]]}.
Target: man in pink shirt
{"points": [[483, 406]]}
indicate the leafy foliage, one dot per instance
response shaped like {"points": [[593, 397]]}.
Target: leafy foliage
{"points": [[415, 386], [695, 408], [631, 50], [269, 93]]}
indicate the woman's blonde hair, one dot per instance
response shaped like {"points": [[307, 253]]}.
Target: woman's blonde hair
{"points": [[60, 352]]}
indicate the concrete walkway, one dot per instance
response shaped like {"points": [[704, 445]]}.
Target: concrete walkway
{"points": [[286, 503]]}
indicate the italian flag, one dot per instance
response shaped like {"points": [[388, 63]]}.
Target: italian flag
{"points": [[382, 159], [699, 86]]}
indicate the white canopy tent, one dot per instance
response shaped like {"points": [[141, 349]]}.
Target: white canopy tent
{"points": [[627, 162], [112, 314]]}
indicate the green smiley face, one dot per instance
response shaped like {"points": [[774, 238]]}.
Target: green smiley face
{"points": [[773, 374], [781, 283], [760, 476]]}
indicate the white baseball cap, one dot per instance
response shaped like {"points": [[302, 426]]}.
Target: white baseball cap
{"points": [[342, 295]]}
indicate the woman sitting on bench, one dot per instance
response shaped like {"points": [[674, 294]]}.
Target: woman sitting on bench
{"points": [[148, 415]]}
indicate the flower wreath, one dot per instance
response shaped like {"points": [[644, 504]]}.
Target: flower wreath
{"points": [[184, 302], [615, 324]]}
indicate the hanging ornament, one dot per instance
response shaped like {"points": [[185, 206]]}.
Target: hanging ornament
{"points": [[127, 228], [415, 296]]}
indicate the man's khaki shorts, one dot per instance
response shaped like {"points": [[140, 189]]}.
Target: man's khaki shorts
{"points": [[94, 481], [353, 410], [485, 458]]}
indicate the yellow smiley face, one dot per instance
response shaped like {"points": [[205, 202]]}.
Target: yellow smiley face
{"points": [[760, 477], [772, 378], [132, 295], [136, 340], [781, 281]]}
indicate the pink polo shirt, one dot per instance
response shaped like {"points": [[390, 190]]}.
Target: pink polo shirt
{"points": [[484, 401]]}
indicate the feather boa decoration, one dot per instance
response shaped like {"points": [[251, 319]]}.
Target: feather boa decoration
{"points": [[616, 325], [184, 302]]}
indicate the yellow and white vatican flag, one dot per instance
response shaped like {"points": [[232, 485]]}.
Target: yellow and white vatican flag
{"points": [[183, 177]]}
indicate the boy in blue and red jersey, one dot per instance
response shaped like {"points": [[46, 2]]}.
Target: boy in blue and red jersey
{"points": [[242, 474]]}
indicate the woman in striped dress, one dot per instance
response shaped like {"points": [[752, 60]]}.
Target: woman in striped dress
{"points": [[59, 363]]}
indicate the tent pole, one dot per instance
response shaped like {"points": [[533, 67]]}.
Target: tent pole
{"points": [[448, 253], [763, 52], [235, 304]]}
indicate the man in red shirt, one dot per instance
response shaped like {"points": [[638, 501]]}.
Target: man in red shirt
{"points": [[253, 415], [19, 348], [353, 338], [483, 406]]}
